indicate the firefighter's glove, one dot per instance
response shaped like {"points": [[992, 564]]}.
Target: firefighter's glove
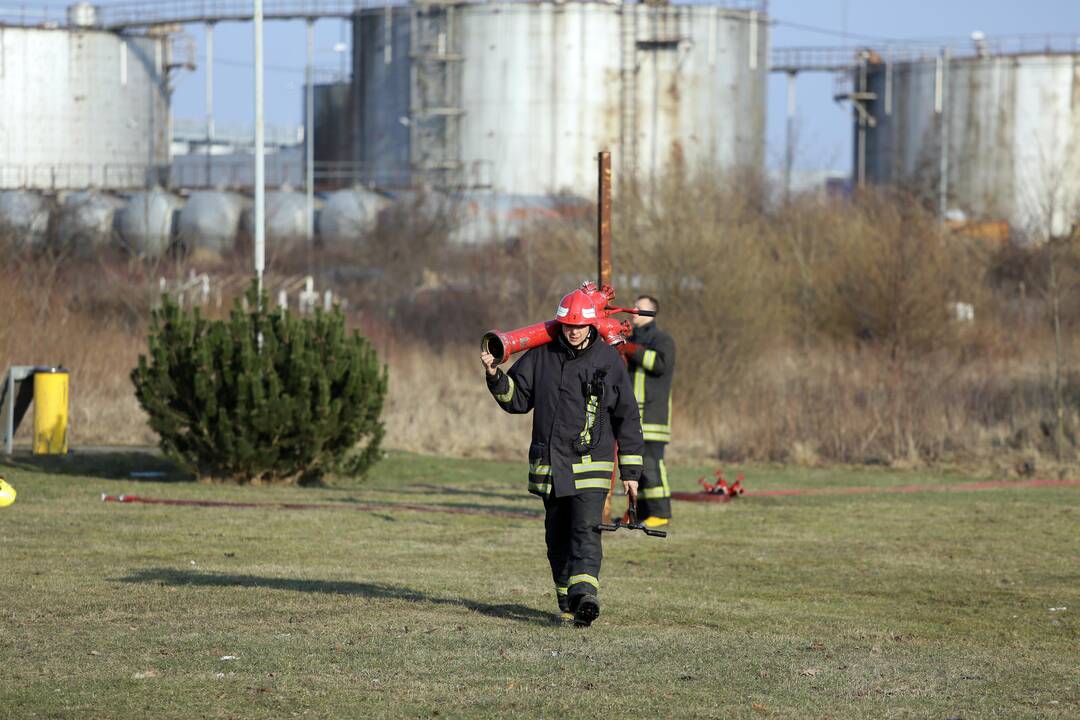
{"points": [[628, 350]]}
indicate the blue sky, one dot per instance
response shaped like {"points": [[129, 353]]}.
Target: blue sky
{"points": [[823, 126]]}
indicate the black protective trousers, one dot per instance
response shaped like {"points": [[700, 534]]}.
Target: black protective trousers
{"points": [[573, 544], [654, 494]]}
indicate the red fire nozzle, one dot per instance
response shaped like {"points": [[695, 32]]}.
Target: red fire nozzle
{"points": [[504, 344]]}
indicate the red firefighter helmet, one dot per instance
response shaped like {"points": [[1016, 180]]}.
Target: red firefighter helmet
{"points": [[577, 308]]}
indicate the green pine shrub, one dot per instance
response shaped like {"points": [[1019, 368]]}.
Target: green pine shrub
{"points": [[302, 402]]}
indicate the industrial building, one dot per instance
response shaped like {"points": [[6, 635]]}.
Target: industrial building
{"points": [[508, 98], [519, 96], [987, 131]]}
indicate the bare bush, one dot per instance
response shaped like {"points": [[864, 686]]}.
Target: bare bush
{"points": [[820, 331]]}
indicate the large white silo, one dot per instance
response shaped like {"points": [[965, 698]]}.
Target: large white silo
{"points": [[520, 97], [993, 135], [82, 108]]}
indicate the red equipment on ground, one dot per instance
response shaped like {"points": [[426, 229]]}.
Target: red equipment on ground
{"points": [[584, 306], [720, 487]]}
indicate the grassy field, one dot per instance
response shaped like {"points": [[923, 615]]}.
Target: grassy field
{"points": [[923, 605]]}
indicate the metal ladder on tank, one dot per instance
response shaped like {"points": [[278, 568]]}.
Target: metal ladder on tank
{"points": [[628, 99], [435, 96]]}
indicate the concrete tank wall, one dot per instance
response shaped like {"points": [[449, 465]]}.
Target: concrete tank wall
{"points": [[1013, 129], [536, 89], [82, 109], [333, 142]]}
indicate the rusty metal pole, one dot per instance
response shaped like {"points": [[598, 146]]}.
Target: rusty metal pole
{"points": [[603, 264], [603, 220]]}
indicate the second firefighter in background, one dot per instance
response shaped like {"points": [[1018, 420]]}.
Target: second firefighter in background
{"points": [[650, 357]]}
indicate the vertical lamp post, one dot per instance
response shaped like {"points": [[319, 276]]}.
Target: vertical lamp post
{"points": [[309, 134], [260, 169]]}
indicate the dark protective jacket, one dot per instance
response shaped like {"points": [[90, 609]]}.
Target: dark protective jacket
{"points": [[652, 367], [582, 402]]}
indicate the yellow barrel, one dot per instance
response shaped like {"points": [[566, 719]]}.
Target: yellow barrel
{"points": [[50, 411]]}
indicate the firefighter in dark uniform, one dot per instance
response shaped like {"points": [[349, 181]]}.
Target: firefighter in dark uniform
{"points": [[650, 357], [582, 401]]}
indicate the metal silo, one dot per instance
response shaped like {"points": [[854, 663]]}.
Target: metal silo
{"points": [[147, 223], [333, 117], [286, 219], [210, 220], [349, 216], [82, 108], [24, 218], [86, 222], [519, 97], [993, 135]]}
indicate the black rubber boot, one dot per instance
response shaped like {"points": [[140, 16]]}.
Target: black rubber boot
{"points": [[587, 610]]}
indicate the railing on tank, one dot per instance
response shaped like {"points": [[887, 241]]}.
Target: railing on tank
{"points": [[79, 176], [125, 15], [339, 174], [226, 173], [839, 59]]}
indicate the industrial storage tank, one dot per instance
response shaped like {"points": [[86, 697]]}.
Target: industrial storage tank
{"points": [[82, 108], [147, 223], [86, 221], [24, 218], [333, 108], [210, 220], [976, 132], [286, 219], [519, 97], [349, 216]]}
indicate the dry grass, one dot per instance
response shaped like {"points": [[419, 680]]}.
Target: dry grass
{"points": [[818, 332], [89, 320]]}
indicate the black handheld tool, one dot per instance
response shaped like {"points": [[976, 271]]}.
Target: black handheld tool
{"points": [[632, 525]]}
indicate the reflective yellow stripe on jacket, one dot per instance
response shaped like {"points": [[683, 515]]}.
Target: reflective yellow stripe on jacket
{"points": [[596, 473], [639, 389], [589, 466], [539, 482], [509, 394], [656, 433]]}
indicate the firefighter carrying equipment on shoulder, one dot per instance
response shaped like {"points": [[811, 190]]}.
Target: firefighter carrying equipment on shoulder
{"points": [[589, 405]]}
